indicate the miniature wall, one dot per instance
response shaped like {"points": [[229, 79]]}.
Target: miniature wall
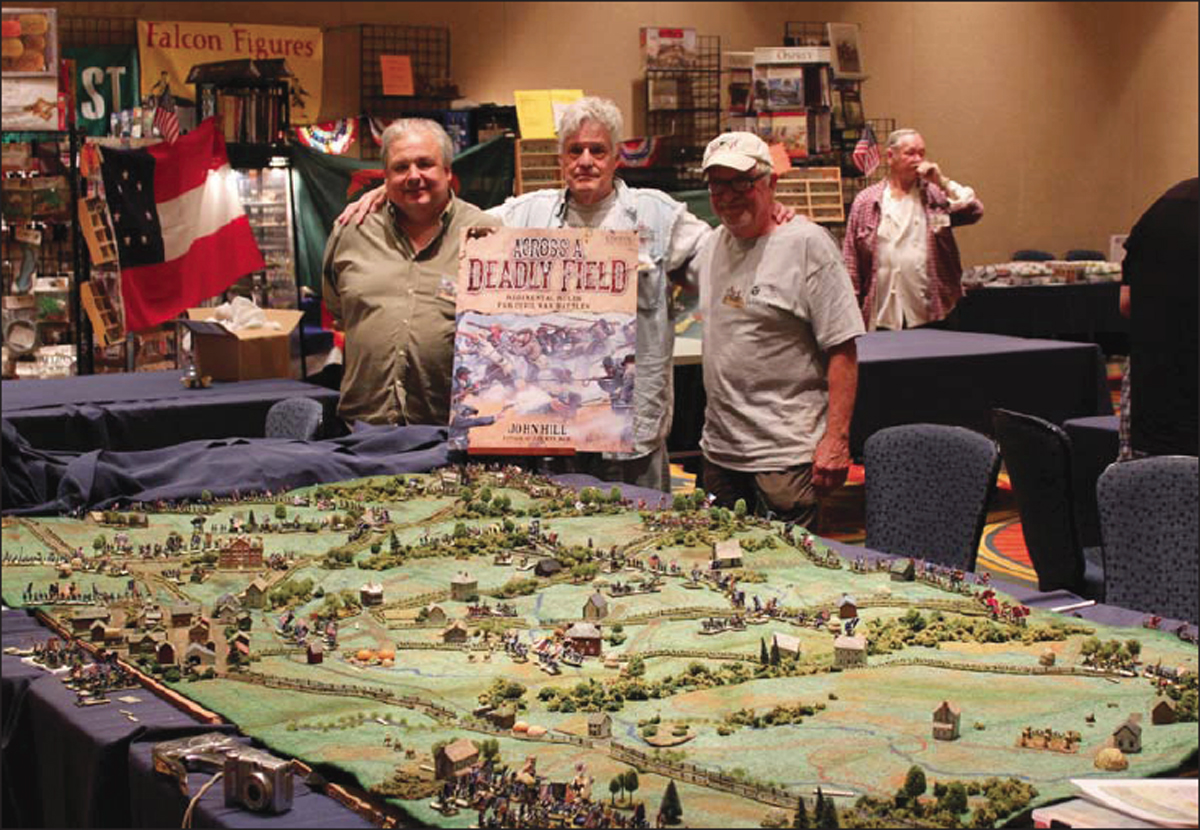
{"points": [[1069, 119]]}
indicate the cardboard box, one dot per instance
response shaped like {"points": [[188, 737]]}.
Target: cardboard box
{"points": [[249, 354]]}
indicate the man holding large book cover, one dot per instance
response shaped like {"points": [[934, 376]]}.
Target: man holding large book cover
{"points": [[590, 131]]}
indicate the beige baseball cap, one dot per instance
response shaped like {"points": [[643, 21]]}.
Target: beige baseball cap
{"points": [[740, 151]]}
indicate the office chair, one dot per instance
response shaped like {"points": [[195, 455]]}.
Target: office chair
{"points": [[1037, 455], [298, 418], [1151, 534], [927, 489]]}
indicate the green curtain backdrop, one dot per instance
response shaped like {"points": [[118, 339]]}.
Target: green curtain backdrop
{"points": [[320, 185]]}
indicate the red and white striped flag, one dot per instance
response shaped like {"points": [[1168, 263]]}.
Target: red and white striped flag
{"points": [[182, 235], [165, 118], [866, 152]]}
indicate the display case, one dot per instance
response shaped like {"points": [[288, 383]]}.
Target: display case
{"points": [[43, 332], [267, 199]]}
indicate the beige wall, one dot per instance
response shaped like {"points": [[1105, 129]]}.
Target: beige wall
{"points": [[1067, 118]]}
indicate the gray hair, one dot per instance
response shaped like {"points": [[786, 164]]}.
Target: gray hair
{"points": [[601, 110], [403, 126], [896, 136]]}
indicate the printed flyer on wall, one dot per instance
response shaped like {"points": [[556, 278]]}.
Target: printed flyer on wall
{"points": [[544, 355]]}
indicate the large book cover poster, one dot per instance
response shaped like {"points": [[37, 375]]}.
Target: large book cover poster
{"points": [[545, 341]]}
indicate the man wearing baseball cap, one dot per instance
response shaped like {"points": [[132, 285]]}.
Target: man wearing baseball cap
{"points": [[780, 364]]}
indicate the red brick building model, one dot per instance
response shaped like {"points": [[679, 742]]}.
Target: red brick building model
{"points": [[584, 638], [241, 553]]}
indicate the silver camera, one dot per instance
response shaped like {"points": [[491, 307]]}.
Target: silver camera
{"points": [[258, 781]]}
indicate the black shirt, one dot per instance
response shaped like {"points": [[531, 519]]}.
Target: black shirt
{"points": [[1162, 268]]}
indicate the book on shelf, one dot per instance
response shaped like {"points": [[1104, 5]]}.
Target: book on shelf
{"points": [[791, 130]]}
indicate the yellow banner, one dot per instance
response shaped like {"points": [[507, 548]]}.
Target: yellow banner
{"points": [[169, 50]]}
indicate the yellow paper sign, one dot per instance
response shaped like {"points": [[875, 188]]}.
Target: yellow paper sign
{"points": [[538, 109], [397, 74], [169, 50]]}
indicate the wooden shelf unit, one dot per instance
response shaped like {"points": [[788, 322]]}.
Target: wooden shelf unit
{"points": [[537, 166], [814, 191]]}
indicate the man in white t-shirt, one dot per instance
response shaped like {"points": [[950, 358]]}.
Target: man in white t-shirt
{"points": [[780, 363]]}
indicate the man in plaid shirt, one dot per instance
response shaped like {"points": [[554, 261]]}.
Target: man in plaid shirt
{"points": [[899, 246]]}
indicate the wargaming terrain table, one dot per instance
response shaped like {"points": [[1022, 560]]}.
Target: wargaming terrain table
{"points": [[483, 643]]}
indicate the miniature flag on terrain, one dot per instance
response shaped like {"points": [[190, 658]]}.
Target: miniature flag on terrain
{"points": [[866, 152], [165, 118], [181, 233]]}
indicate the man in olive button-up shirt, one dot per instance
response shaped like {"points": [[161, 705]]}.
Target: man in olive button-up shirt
{"points": [[389, 283]]}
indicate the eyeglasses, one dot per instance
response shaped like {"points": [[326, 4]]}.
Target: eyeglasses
{"points": [[741, 184]]}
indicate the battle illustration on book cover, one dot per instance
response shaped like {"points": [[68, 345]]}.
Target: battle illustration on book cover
{"points": [[545, 344]]}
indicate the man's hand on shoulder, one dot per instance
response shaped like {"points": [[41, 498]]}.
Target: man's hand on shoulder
{"points": [[357, 211], [782, 214]]}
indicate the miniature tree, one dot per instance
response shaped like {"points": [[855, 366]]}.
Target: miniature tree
{"points": [[614, 495], [739, 508], [670, 809], [763, 657], [914, 783], [98, 543], [631, 782], [251, 521], [1134, 647], [616, 786], [774, 653], [206, 496], [280, 511], [800, 822], [955, 798]]}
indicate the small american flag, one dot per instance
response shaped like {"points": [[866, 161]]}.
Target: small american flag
{"points": [[165, 118], [866, 152]]}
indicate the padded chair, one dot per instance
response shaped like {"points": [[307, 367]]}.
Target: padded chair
{"points": [[1030, 255], [1037, 455], [1080, 254], [1151, 534], [294, 418], [927, 489]]}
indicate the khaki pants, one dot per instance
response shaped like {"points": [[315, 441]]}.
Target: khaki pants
{"points": [[788, 494]]}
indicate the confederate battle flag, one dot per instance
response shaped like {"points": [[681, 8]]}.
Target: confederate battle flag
{"points": [[181, 233]]}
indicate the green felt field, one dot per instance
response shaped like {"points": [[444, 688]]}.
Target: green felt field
{"points": [[868, 724]]}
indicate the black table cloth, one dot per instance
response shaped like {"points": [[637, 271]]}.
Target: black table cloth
{"points": [[1094, 445], [1077, 311], [145, 410], [943, 377]]}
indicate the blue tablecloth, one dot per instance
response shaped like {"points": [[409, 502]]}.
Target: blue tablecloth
{"points": [[71, 766], [145, 410]]}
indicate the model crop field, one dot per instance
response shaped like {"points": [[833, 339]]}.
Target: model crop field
{"points": [[372, 625]]}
